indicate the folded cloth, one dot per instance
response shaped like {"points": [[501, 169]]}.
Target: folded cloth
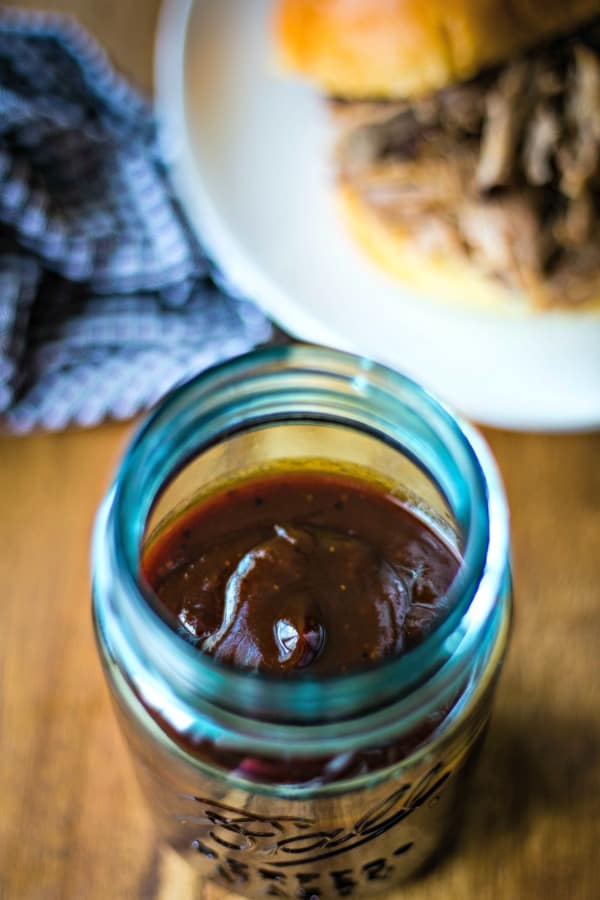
{"points": [[106, 299]]}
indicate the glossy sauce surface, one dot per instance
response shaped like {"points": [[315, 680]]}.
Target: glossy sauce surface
{"points": [[301, 571]]}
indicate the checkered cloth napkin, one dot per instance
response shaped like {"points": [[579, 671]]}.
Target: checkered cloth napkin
{"points": [[106, 300]]}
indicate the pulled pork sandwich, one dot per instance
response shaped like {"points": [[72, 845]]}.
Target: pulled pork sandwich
{"points": [[469, 138]]}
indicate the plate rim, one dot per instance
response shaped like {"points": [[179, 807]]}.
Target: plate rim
{"points": [[241, 271]]}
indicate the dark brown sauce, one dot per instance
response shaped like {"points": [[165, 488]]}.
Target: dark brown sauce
{"points": [[301, 571]]}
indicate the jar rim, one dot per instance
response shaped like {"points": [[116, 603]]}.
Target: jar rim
{"points": [[199, 677]]}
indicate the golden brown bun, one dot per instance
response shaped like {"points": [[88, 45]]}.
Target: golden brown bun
{"points": [[445, 278], [405, 48]]}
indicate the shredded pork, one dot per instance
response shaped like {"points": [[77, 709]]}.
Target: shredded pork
{"points": [[504, 169]]}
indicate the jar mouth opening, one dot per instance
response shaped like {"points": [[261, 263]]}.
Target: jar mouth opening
{"points": [[264, 387]]}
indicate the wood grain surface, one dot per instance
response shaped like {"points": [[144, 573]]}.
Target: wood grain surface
{"points": [[72, 822]]}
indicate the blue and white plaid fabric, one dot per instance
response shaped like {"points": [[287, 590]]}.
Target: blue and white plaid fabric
{"points": [[106, 300]]}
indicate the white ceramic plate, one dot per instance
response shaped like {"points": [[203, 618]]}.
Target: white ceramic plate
{"points": [[250, 151]]}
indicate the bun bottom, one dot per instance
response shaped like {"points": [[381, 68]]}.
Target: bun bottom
{"points": [[441, 277]]}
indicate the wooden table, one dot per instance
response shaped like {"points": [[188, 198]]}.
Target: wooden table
{"points": [[72, 823]]}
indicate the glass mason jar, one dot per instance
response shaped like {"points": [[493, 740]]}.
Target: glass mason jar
{"points": [[304, 787]]}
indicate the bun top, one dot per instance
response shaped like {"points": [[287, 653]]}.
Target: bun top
{"points": [[405, 48]]}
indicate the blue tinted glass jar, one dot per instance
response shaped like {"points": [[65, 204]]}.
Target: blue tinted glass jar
{"points": [[332, 787]]}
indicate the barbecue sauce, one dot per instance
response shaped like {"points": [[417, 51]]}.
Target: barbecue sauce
{"points": [[301, 571]]}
